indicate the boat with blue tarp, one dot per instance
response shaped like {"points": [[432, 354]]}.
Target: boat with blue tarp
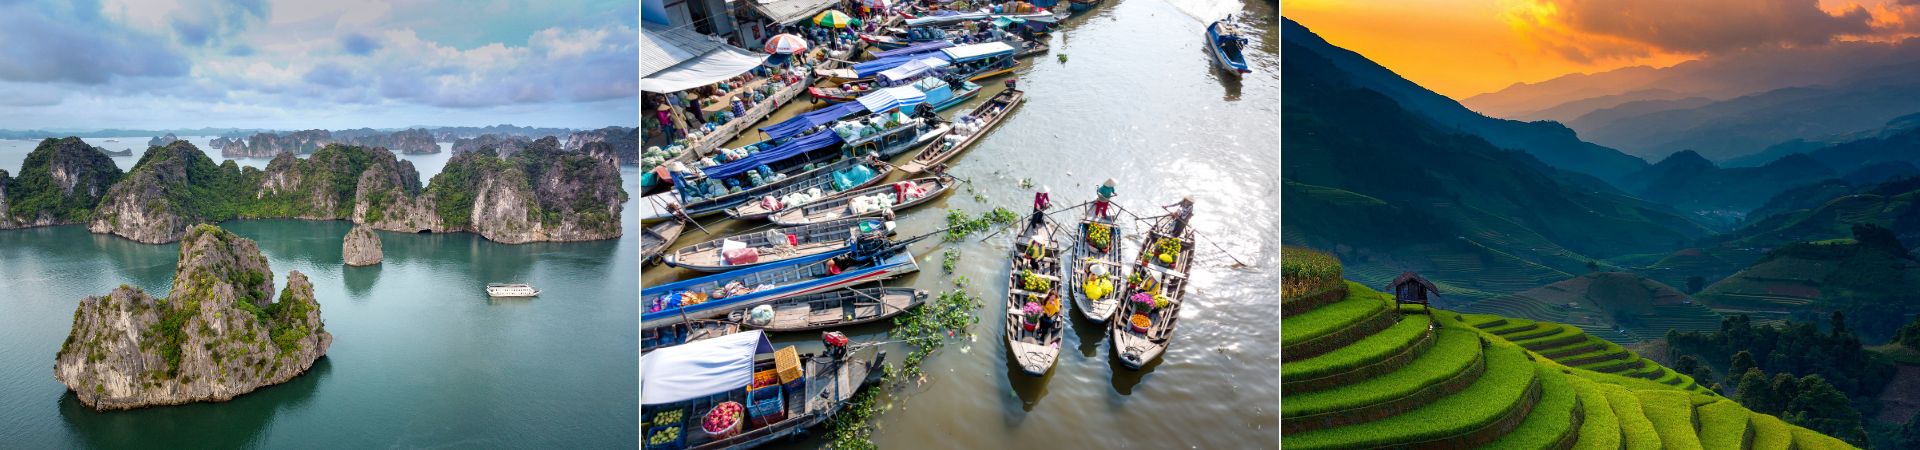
{"points": [[713, 296]]}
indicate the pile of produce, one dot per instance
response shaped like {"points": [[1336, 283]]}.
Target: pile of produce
{"points": [[664, 436], [1097, 287], [870, 203], [1032, 282], [724, 420], [1140, 322], [668, 418], [1099, 236], [1166, 251]]}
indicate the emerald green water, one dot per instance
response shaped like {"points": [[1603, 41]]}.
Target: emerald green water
{"points": [[420, 358]]}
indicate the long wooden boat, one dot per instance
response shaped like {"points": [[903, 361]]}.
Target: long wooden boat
{"points": [[655, 239], [681, 333], [843, 208], [840, 74], [1152, 277], [755, 210], [825, 386], [834, 94], [681, 301], [771, 246], [819, 178], [1078, 6], [1035, 255], [840, 308], [988, 114], [900, 139], [1101, 265]]}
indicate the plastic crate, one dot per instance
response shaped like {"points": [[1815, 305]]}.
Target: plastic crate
{"points": [[678, 443], [766, 406]]}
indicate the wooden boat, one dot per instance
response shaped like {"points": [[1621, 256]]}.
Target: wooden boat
{"points": [[840, 308], [1149, 276], [755, 210], [1035, 255], [770, 246], [821, 178], [834, 94], [838, 75], [1225, 43], [681, 333], [1078, 6], [975, 62], [989, 115], [1091, 263], [825, 385], [900, 139], [681, 301], [842, 208], [655, 239]]}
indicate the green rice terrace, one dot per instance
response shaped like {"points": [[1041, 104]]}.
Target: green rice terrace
{"points": [[1619, 307], [1362, 371]]}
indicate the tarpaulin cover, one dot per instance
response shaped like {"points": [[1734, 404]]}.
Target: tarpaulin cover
{"points": [[709, 68], [796, 146], [912, 69], [976, 51], [811, 119], [867, 69], [700, 368], [881, 100], [922, 47], [938, 18]]}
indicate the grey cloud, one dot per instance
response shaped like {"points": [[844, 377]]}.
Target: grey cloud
{"points": [[331, 75], [358, 44], [70, 42], [1712, 26]]}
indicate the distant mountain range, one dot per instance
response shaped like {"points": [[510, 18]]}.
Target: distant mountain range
{"points": [[1727, 107], [444, 133], [1390, 188]]}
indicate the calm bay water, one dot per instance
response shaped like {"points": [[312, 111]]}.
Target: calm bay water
{"points": [[1137, 100], [421, 357]]}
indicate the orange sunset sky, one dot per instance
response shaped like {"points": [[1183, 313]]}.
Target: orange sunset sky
{"points": [[1460, 48]]}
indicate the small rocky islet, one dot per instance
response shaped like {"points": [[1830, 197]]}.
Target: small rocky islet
{"points": [[540, 192], [219, 333], [361, 247]]}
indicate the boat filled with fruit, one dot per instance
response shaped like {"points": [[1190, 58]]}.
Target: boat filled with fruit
{"points": [[737, 391], [1035, 311], [1097, 272]]}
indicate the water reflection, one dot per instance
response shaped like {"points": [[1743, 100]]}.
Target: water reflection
{"points": [[233, 424], [1029, 389], [360, 280]]}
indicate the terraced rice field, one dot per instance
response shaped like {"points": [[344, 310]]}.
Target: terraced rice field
{"points": [[1451, 380]]}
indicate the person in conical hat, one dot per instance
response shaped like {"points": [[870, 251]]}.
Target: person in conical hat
{"points": [[1105, 197], [1041, 201]]}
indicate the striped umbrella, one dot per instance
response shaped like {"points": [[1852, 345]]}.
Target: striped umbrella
{"points": [[833, 19], [786, 44]]}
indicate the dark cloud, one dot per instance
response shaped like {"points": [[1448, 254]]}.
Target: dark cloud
{"points": [[1711, 26], [331, 75], [70, 42], [358, 44]]}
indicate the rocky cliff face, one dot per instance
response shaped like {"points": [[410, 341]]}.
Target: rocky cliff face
{"points": [[541, 193], [263, 145], [361, 247], [387, 196], [413, 141], [504, 146], [171, 188], [218, 334], [59, 183], [625, 142], [162, 141]]}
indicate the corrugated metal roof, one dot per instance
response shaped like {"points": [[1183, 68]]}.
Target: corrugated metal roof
{"points": [[790, 11], [660, 49]]}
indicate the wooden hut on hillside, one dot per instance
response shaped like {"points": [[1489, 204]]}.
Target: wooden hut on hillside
{"points": [[1409, 287]]}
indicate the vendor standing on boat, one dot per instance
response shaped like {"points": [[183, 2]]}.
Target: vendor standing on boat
{"points": [[1105, 197], [1040, 203], [1183, 212]]}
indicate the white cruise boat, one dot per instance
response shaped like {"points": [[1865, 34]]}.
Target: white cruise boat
{"points": [[511, 290]]}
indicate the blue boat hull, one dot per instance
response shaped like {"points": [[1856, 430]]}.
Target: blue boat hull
{"points": [[1230, 61], [899, 264]]}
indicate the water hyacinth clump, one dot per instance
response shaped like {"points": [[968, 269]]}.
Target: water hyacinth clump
{"points": [[924, 331]]}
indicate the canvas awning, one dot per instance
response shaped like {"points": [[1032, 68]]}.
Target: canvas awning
{"points": [[912, 69], [796, 146], [700, 368], [921, 47], [973, 51], [786, 12], [662, 47], [811, 119], [869, 68], [882, 100], [713, 67]]}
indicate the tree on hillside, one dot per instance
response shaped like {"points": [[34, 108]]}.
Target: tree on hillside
{"points": [[1754, 393], [1879, 238], [1909, 434], [1822, 408], [1691, 366], [1909, 334], [1742, 362]]}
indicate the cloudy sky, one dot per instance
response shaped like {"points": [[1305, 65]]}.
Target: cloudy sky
{"points": [[1466, 47], [334, 64]]}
